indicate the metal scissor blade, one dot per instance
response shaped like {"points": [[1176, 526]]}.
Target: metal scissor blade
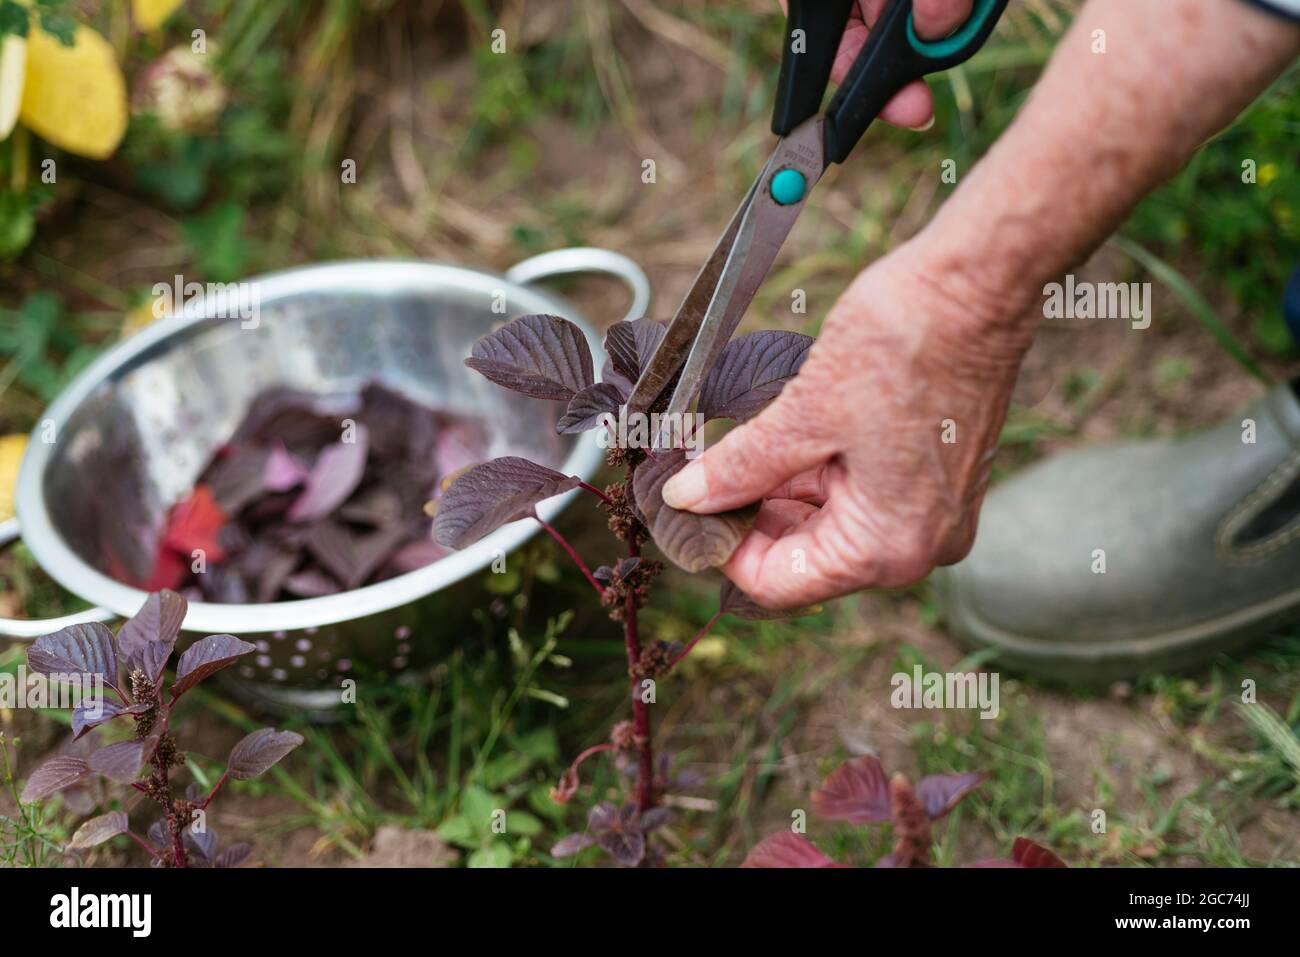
{"points": [[676, 343], [764, 225]]}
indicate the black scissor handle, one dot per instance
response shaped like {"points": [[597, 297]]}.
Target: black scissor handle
{"points": [[893, 57], [813, 31]]}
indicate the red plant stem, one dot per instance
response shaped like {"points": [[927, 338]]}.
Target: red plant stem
{"points": [[213, 793], [595, 491], [572, 554], [593, 750], [143, 843], [645, 780], [698, 635]]}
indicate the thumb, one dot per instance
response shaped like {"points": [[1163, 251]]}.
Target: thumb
{"points": [[749, 462]]}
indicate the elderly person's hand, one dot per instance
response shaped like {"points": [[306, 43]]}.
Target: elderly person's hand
{"points": [[873, 462], [874, 459]]}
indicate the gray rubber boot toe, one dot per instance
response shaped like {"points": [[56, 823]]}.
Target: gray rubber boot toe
{"points": [[1108, 562]]}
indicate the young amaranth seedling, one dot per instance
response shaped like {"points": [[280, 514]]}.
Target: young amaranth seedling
{"points": [[142, 648], [547, 357], [858, 792]]}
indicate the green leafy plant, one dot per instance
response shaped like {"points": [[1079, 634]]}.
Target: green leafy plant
{"points": [[16, 19], [33, 837]]}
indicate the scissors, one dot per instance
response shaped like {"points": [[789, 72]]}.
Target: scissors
{"points": [[892, 57]]}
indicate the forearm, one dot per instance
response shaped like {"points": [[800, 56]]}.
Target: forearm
{"points": [[1098, 133]]}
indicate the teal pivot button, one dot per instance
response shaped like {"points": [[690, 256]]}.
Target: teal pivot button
{"points": [[788, 186]]}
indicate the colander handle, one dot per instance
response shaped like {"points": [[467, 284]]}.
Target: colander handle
{"points": [[562, 262], [30, 629]]}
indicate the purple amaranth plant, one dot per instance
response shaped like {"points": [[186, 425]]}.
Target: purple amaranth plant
{"points": [[547, 357], [140, 651], [859, 792]]}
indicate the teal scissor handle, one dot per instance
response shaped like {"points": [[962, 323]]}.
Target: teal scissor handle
{"points": [[966, 40], [893, 57]]}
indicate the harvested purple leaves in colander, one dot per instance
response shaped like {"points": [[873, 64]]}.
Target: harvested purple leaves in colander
{"points": [[314, 495]]}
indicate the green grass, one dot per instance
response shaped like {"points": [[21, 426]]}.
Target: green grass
{"points": [[494, 729], [35, 834]]}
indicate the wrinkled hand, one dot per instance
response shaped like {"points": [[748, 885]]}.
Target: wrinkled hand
{"points": [[913, 107], [874, 460]]}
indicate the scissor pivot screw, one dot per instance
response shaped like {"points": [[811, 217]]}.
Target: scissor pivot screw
{"points": [[788, 186]]}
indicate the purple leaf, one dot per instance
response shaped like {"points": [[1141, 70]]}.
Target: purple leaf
{"points": [[733, 601], [602, 817], [417, 554], [940, 793], [588, 406], [80, 799], [311, 583], [626, 847], [491, 495], [232, 856], [203, 842], [296, 417], [857, 791], [99, 829], [222, 583], [378, 507], [630, 346], [260, 751], [459, 444], [151, 660], [90, 713], [282, 471], [76, 650], [545, 357], [750, 372], [236, 476], [205, 657], [572, 844], [693, 542], [1025, 853], [59, 772], [335, 476], [351, 558], [655, 818], [625, 567], [121, 762], [785, 849], [618, 830], [332, 546], [157, 622]]}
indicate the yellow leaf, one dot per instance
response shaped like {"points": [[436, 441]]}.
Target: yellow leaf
{"points": [[75, 96], [151, 14], [11, 454], [136, 319], [13, 66]]}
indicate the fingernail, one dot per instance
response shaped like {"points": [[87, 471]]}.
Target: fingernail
{"points": [[687, 489], [929, 124]]}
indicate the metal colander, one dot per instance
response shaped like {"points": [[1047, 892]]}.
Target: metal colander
{"points": [[151, 412]]}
